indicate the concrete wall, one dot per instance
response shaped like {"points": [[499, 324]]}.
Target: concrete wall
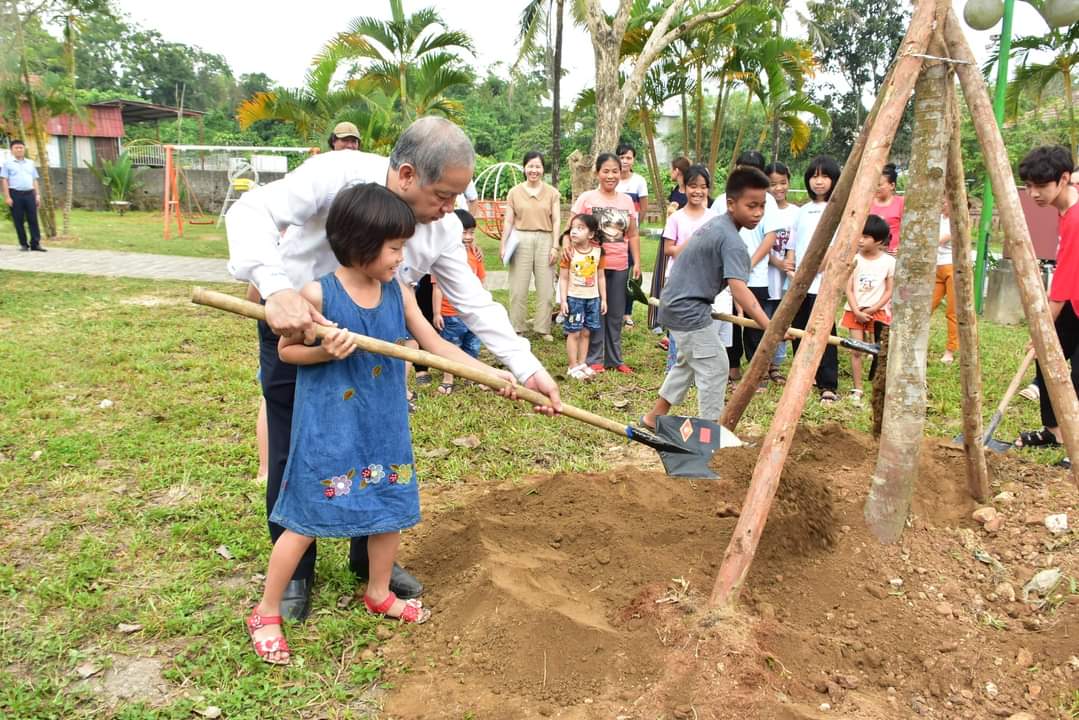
{"points": [[208, 186]]}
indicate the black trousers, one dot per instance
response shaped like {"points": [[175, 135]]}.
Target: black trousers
{"points": [[24, 210], [279, 389], [1068, 333], [828, 370], [423, 299], [751, 337]]}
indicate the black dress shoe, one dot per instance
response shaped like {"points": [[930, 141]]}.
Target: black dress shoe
{"points": [[296, 600], [38, 248], [403, 584]]}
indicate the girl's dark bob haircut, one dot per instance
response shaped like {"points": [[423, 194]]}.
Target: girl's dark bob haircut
{"points": [[821, 165], [362, 218]]}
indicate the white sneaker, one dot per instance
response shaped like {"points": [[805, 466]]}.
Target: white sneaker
{"points": [[587, 370], [1030, 392], [575, 373]]}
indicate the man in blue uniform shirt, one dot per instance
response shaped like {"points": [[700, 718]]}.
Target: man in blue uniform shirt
{"points": [[19, 182]]}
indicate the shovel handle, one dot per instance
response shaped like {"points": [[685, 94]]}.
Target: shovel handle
{"points": [[1017, 380], [868, 348], [239, 306]]}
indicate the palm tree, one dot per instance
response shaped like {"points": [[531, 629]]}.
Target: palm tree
{"points": [[536, 16], [1032, 78], [314, 108], [410, 58]]}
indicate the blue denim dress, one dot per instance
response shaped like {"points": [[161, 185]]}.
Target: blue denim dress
{"points": [[350, 465]]}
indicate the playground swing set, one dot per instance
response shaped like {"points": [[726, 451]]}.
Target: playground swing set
{"points": [[180, 203]]}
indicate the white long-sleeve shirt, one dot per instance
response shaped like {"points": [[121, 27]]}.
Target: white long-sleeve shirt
{"points": [[258, 253]]}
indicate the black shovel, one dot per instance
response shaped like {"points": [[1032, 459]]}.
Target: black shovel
{"points": [[637, 293], [988, 440], [685, 445]]}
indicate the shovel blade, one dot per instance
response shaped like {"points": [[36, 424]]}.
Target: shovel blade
{"points": [[997, 446], [699, 440]]}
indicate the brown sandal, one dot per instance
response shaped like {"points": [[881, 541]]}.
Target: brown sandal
{"points": [[776, 375]]}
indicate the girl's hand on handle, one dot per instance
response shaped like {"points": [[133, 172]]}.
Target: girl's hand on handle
{"points": [[339, 344], [290, 315]]}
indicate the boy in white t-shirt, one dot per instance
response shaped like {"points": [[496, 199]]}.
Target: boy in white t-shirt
{"points": [[869, 293]]}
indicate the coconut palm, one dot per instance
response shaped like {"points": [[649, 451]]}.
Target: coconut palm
{"points": [[411, 58], [1032, 78], [314, 108]]}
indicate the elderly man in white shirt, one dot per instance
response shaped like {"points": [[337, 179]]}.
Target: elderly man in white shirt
{"points": [[429, 167]]}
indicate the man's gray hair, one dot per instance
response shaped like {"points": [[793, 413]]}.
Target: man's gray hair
{"points": [[432, 144]]}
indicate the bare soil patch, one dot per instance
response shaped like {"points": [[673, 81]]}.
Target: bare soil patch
{"points": [[581, 596]]}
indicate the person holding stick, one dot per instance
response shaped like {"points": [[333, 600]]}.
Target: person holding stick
{"points": [[1047, 172], [430, 165]]}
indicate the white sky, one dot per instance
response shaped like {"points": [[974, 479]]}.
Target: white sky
{"points": [[281, 42]]}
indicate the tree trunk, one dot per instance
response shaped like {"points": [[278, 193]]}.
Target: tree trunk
{"points": [[685, 125], [582, 176], [698, 150], [892, 485], [776, 444], [717, 126], [1017, 238], [741, 131], [556, 97], [69, 190], [47, 211], [970, 366], [652, 161]]}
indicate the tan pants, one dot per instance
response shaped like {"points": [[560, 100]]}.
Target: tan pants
{"points": [[532, 257], [945, 287]]}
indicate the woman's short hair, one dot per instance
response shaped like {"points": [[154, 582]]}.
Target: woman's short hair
{"points": [[532, 155]]}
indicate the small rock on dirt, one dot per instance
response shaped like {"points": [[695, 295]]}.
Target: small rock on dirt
{"points": [[87, 669], [849, 682], [683, 712], [995, 524], [105, 404], [1004, 497], [726, 509], [1021, 716], [991, 689], [984, 514], [1005, 591], [1024, 658], [383, 633], [128, 628], [1057, 524], [876, 591], [223, 552], [948, 646], [944, 609]]}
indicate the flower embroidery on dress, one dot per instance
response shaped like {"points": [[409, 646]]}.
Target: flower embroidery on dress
{"points": [[350, 393], [372, 475], [338, 485], [402, 474]]}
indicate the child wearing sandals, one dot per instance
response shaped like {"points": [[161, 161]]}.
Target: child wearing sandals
{"points": [[445, 317], [869, 294], [583, 290], [350, 470]]}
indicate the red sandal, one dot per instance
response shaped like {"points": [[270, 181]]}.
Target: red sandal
{"points": [[414, 611], [264, 648]]}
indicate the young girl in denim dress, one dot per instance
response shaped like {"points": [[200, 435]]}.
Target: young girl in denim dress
{"points": [[350, 471]]}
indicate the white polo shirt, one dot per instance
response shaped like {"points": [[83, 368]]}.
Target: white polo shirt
{"points": [[259, 254]]}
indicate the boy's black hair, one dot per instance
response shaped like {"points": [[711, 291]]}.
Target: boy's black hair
{"points": [[624, 147], [777, 168], [607, 157], [889, 171], [877, 228], [823, 165], [17, 141], [695, 171], [362, 218], [746, 178], [1045, 164], [467, 221], [751, 158]]}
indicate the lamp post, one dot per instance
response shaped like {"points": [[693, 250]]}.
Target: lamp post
{"points": [[986, 220]]}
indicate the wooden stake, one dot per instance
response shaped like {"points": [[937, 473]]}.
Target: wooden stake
{"points": [[781, 321], [880, 381], [776, 444], [1017, 237], [892, 485], [970, 364]]}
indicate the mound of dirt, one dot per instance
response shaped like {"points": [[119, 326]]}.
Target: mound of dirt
{"points": [[582, 596]]}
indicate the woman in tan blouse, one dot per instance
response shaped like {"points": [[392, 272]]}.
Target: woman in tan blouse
{"points": [[532, 213]]}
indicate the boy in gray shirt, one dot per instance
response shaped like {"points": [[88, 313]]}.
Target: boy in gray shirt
{"points": [[715, 257]]}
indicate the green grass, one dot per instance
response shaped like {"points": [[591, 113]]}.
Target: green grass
{"points": [[134, 232], [117, 520]]}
